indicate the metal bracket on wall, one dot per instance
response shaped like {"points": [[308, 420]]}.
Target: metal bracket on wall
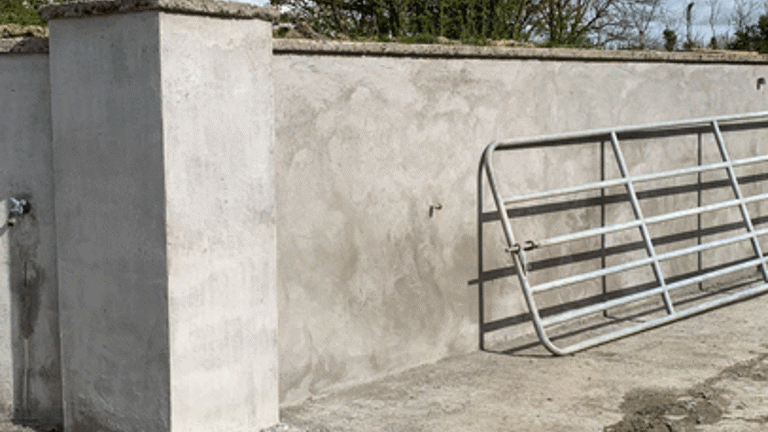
{"points": [[16, 209], [659, 249]]}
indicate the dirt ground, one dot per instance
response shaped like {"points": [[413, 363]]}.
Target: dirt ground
{"points": [[708, 373]]}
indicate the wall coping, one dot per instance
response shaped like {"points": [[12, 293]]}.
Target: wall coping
{"points": [[386, 49], [39, 45], [24, 45], [213, 8]]}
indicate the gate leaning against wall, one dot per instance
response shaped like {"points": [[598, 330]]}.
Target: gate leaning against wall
{"points": [[690, 227]]}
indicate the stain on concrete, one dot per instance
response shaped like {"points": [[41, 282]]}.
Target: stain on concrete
{"points": [[657, 410], [86, 423], [756, 370], [29, 298], [27, 273], [653, 410], [30, 426]]}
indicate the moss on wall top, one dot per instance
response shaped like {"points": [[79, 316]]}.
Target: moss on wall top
{"points": [[25, 39], [330, 47]]}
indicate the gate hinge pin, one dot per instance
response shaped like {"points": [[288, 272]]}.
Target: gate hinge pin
{"points": [[526, 245], [520, 249]]}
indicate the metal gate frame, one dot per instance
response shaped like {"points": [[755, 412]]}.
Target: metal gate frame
{"points": [[715, 126]]}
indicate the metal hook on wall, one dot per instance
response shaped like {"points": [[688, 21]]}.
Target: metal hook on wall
{"points": [[433, 208]]}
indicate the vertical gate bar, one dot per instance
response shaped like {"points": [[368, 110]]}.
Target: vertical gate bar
{"points": [[480, 301], [538, 325], [602, 221], [643, 227], [737, 193], [698, 217], [505, 224], [518, 256]]}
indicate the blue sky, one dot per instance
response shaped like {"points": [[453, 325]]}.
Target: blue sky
{"points": [[701, 15]]}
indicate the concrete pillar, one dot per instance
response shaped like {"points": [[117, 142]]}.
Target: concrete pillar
{"points": [[163, 159], [30, 379]]}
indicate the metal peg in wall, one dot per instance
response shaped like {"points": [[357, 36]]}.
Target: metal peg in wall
{"points": [[433, 208]]}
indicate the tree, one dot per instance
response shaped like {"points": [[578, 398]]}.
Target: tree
{"points": [[22, 12], [597, 23], [456, 19], [670, 39], [690, 41], [552, 22], [633, 28], [743, 14], [752, 37]]}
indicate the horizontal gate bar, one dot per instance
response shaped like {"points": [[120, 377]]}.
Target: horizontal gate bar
{"points": [[638, 179], [558, 283], [607, 337], [573, 203], [650, 220], [577, 313], [652, 130], [588, 255]]}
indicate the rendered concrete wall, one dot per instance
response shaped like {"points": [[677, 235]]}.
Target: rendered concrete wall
{"points": [[220, 222], [370, 280], [110, 212], [165, 214], [30, 380], [166, 217]]}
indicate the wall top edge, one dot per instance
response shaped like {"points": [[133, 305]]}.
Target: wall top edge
{"points": [[212, 8], [384, 49], [39, 45], [24, 45]]}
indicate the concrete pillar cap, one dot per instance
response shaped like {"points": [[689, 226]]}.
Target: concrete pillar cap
{"points": [[220, 9]]}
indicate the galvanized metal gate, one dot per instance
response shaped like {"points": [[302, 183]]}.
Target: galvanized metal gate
{"points": [[615, 140]]}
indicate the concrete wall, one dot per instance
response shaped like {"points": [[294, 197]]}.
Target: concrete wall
{"points": [[370, 281], [163, 138], [30, 379], [110, 200], [167, 202], [220, 218]]}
